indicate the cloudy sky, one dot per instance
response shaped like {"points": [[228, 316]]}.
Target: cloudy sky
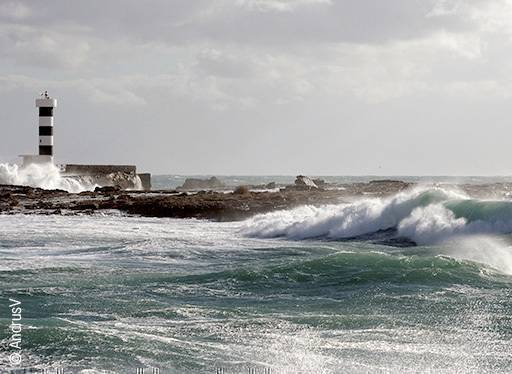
{"points": [[339, 87]]}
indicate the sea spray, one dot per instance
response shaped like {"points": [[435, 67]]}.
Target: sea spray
{"points": [[345, 220], [431, 224], [484, 249], [45, 176], [452, 219], [426, 216]]}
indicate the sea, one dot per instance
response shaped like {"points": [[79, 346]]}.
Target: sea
{"points": [[417, 282]]}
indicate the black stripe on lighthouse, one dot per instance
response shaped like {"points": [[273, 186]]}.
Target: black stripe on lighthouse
{"points": [[45, 111], [45, 150], [45, 130]]}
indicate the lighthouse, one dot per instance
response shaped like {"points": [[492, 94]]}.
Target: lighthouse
{"points": [[123, 175], [46, 105]]}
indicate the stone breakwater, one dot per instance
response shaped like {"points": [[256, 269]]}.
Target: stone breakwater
{"points": [[220, 206]]}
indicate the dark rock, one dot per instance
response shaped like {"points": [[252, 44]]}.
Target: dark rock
{"points": [[107, 190], [86, 193], [85, 205], [305, 182], [5, 195], [319, 182], [384, 181], [271, 185], [202, 205], [241, 190], [199, 184]]}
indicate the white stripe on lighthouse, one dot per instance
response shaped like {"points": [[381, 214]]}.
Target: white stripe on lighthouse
{"points": [[46, 140], [45, 121]]}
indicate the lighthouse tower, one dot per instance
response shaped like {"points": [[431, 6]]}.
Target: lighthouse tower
{"points": [[46, 105]]}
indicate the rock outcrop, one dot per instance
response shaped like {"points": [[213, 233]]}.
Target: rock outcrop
{"points": [[201, 184], [212, 205], [319, 182], [241, 190], [304, 182]]}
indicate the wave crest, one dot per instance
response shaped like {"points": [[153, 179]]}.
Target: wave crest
{"points": [[425, 216]]}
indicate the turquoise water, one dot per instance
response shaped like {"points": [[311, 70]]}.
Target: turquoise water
{"points": [[114, 293]]}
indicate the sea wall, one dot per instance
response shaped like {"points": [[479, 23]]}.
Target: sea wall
{"points": [[145, 180], [123, 176], [75, 169]]}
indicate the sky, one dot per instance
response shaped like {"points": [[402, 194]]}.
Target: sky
{"points": [[319, 87]]}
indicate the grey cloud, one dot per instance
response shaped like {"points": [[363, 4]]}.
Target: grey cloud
{"points": [[181, 21], [262, 86], [14, 10], [215, 62]]}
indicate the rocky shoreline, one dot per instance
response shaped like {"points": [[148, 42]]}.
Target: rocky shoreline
{"points": [[219, 206], [213, 205]]}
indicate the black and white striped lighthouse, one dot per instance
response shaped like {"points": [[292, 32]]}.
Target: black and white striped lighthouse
{"points": [[46, 104]]}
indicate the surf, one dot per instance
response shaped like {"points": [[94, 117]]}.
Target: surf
{"points": [[46, 176], [426, 216]]}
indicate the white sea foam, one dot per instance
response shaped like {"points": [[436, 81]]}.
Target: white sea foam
{"points": [[45, 176], [425, 216], [431, 224], [436, 223], [345, 220]]}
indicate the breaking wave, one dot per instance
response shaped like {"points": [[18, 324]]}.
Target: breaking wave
{"points": [[45, 176], [425, 216]]}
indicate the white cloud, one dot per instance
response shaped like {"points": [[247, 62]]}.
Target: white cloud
{"points": [[118, 91], [493, 16], [445, 8], [51, 48]]}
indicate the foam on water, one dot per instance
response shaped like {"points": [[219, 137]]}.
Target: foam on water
{"points": [[426, 216], [109, 293], [45, 176]]}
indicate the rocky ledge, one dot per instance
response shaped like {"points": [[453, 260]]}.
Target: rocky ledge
{"points": [[221, 206]]}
